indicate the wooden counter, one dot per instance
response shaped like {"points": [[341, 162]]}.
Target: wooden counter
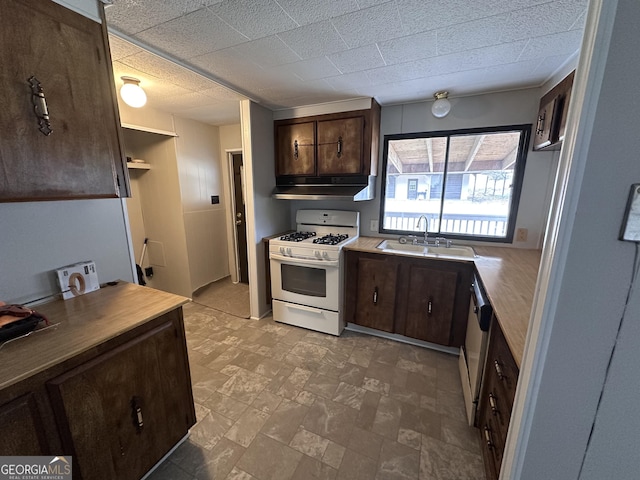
{"points": [[84, 322], [108, 385], [509, 278]]}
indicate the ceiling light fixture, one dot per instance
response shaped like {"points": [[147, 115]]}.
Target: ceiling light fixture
{"points": [[442, 106], [132, 93]]}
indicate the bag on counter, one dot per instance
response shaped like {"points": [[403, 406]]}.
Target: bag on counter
{"points": [[17, 320]]}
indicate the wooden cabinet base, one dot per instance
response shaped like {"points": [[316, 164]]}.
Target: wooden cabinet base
{"points": [[419, 298]]}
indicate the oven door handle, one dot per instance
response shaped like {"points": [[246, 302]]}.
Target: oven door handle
{"points": [[304, 261]]}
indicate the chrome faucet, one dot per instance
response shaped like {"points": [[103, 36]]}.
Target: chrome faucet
{"points": [[426, 227]]}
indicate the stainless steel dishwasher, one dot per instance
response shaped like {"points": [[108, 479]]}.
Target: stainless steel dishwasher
{"points": [[473, 352]]}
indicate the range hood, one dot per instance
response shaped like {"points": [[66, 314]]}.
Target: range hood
{"points": [[353, 189]]}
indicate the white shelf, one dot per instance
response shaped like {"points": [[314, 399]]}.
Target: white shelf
{"points": [[140, 128], [138, 166]]}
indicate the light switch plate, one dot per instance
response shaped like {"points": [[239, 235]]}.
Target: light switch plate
{"points": [[373, 225], [630, 230]]}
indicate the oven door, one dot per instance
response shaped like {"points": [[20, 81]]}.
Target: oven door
{"points": [[315, 283]]}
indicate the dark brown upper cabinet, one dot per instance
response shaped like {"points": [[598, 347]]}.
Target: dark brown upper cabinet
{"points": [[59, 117], [552, 116], [332, 145]]}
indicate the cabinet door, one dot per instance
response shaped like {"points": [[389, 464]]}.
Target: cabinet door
{"points": [[430, 305], [295, 149], [66, 53], [543, 133], [121, 412], [340, 146], [376, 293], [22, 429]]}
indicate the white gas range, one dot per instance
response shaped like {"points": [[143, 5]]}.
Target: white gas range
{"points": [[307, 276]]}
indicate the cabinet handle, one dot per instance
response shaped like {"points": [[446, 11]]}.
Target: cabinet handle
{"points": [[40, 106], [493, 404], [295, 149], [136, 413], [375, 296], [487, 437], [429, 307], [339, 147], [498, 368], [540, 124]]}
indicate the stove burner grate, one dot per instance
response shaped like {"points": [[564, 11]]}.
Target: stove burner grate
{"points": [[297, 236], [331, 239]]}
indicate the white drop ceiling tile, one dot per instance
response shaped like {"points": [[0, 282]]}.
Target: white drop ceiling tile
{"points": [[395, 73], [169, 71], [218, 114], [558, 44], [473, 59], [314, 40], [312, 69], [370, 25], [409, 48], [513, 75], [267, 52], [221, 94], [555, 17], [469, 35], [254, 18], [420, 15], [192, 35], [224, 63], [349, 81], [184, 100], [121, 48], [305, 12], [357, 59], [133, 16], [549, 65]]}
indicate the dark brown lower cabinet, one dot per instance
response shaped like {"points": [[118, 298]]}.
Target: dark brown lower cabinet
{"points": [[375, 292], [496, 400], [119, 413], [430, 303], [22, 428], [417, 297]]}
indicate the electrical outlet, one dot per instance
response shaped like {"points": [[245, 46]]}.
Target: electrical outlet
{"points": [[521, 234], [373, 226]]}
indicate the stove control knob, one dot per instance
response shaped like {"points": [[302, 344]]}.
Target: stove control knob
{"points": [[317, 253], [282, 250], [325, 255], [289, 252]]}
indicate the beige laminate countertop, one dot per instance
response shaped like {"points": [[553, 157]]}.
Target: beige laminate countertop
{"points": [[509, 277], [84, 322]]}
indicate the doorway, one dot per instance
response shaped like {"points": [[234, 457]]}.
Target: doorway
{"points": [[240, 217]]}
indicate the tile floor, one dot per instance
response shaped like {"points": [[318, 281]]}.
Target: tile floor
{"points": [[276, 402]]}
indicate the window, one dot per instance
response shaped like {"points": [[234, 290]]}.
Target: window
{"points": [[466, 182]]}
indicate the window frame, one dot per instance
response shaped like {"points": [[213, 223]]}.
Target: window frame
{"points": [[518, 177]]}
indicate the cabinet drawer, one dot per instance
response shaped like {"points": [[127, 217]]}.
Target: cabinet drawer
{"points": [[492, 446], [503, 366]]}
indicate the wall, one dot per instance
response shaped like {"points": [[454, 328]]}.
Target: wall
{"points": [[577, 401], [505, 108], [161, 210], [265, 215], [187, 234], [201, 176], [39, 237], [230, 140]]}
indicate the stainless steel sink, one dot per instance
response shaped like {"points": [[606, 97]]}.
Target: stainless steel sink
{"points": [[426, 250]]}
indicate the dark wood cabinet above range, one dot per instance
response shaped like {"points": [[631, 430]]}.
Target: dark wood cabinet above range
{"points": [[552, 116], [332, 145], [59, 118]]}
